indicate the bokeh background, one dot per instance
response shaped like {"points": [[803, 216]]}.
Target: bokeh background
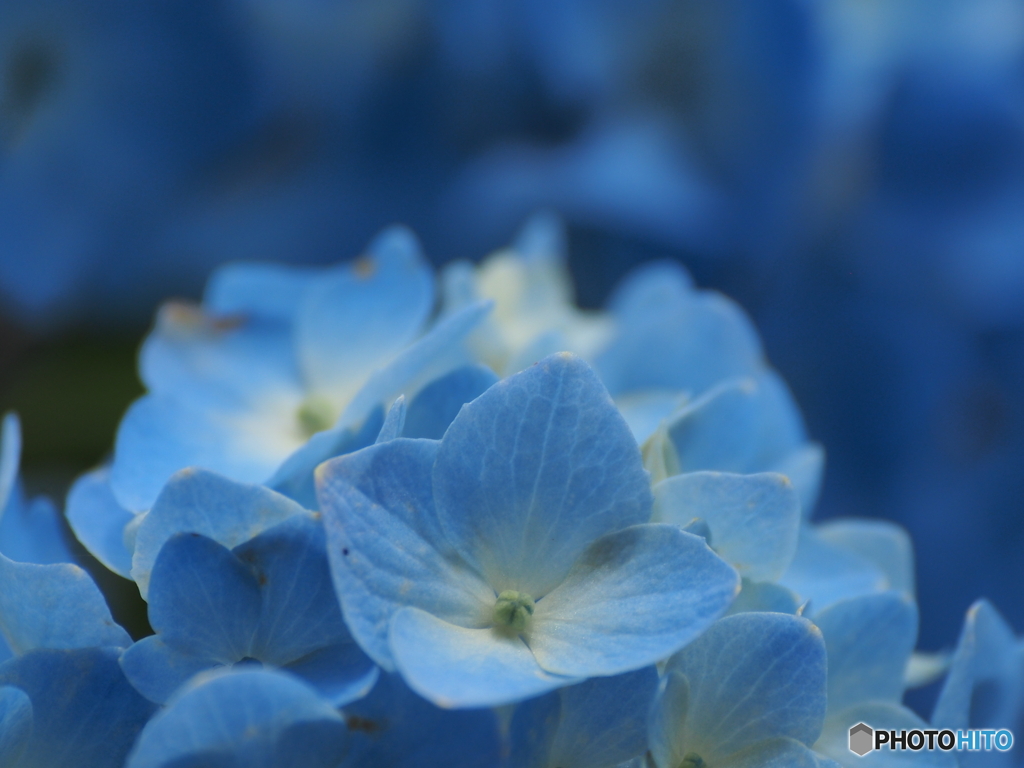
{"points": [[851, 171]]}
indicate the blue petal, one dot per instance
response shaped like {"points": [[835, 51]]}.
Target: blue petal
{"points": [[386, 547], [752, 677], [650, 290], [198, 501], [33, 532], [778, 753], [824, 573], [15, 724], [295, 478], [300, 612], [98, 520], [258, 288], [159, 437], [869, 641], [203, 600], [438, 403], [632, 598], [717, 430], [835, 738], [357, 317], [885, 544], [85, 714], [754, 519], [394, 423], [394, 727], [53, 606], [254, 718], [535, 469], [597, 724], [694, 343], [341, 673], [454, 666], [666, 729], [206, 362], [984, 686], [10, 457], [440, 350], [156, 670]]}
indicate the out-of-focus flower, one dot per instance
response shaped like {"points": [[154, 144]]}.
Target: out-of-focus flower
{"points": [[531, 557], [748, 692]]}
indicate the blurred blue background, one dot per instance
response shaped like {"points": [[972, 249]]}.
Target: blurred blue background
{"points": [[851, 171]]}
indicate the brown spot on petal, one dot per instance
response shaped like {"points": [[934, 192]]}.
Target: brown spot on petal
{"points": [[364, 267], [364, 724]]}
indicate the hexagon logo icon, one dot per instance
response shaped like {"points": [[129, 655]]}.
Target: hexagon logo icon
{"points": [[862, 739]]}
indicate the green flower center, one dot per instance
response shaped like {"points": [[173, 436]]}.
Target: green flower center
{"points": [[315, 415], [513, 610], [692, 760]]}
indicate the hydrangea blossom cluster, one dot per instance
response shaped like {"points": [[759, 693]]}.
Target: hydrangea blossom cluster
{"points": [[379, 523]]}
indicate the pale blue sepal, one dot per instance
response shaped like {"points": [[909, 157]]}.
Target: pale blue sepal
{"points": [[632, 598], [386, 547], [752, 677], [85, 714], [31, 531], [203, 600], [884, 543], [10, 457], [259, 288], [650, 290], [341, 673], [644, 411], [924, 667], [254, 718], [869, 641], [455, 667], [754, 519], [394, 422], [596, 724], [440, 350], [835, 738], [717, 430], [393, 727], [156, 670], [698, 341], [535, 469], [984, 686], [356, 317], [805, 467], [159, 436], [764, 596], [219, 363], [437, 404], [98, 520], [823, 573], [15, 724], [199, 501], [54, 606], [295, 478], [778, 753]]}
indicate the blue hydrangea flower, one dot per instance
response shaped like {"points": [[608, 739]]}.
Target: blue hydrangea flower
{"points": [[236, 574], [514, 556], [985, 684], [272, 360], [748, 692], [600, 723], [243, 717], [534, 311], [869, 640], [30, 530]]}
